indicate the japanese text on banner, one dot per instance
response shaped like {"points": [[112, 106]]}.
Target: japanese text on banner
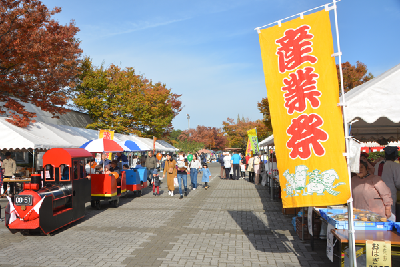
{"points": [[303, 93], [252, 134]]}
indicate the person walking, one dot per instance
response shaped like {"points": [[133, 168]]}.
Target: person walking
{"points": [[151, 165], [250, 169], [244, 166], [235, 164], [10, 167], [164, 158], [183, 171], [170, 171], [221, 161], [156, 183], [206, 175], [227, 164], [256, 167], [194, 167]]}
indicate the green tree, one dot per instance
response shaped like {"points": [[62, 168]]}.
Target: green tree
{"points": [[123, 101], [188, 146]]}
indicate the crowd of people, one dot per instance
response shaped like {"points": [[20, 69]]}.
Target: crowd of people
{"points": [[234, 167]]}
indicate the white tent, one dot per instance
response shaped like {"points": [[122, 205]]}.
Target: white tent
{"points": [[375, 104], [40, 135], [269, 141], [35, 136]]}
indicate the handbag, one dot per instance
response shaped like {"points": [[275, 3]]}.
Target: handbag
{"points": [[176, 184], [170, 169]]}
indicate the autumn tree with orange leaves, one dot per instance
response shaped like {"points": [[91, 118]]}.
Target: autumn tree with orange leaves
{"points": [[213, 138], [237, 131], [353, 75], [38, 59], [121, 100]]}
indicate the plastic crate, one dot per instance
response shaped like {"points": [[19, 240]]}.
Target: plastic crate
{"points": [[326, 216], [397, 226], [359, 225]]}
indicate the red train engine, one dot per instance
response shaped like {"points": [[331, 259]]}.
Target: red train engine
{"points": [[61, 201]]}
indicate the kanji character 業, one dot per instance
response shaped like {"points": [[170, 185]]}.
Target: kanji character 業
{"points": [[294, 47], [301, 86], [305, 133]]}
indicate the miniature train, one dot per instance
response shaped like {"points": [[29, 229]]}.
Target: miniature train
{"points": [[66, 189]]}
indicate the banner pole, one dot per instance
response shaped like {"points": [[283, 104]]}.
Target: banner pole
{"points": [[351, 231]]}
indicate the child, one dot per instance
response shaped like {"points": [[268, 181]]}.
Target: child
{"points": [[242, 170], [206, 175], [125, 167], [156, 182]]}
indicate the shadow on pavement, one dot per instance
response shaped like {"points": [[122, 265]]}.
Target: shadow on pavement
{"points": [[271, 231]]}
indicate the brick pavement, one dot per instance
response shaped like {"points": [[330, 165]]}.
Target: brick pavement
{"points": [[233, 223]]}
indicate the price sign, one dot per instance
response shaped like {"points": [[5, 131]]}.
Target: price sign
{"points": [[379, 253]]}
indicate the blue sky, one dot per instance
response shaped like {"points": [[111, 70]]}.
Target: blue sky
{"points": [[209, 52]]}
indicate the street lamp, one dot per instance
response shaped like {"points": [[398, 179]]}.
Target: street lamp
{"points": [[188, 117]]}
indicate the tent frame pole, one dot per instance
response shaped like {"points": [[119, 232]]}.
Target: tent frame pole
{"points": [[33, 160], [351, 238]]}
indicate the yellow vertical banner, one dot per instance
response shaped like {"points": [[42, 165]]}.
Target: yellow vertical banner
{"points": [[248, 148], [303, 93], [154, 143], [252, 135], [107, 134]]}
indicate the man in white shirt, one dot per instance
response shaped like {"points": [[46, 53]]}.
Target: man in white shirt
{"points": [[227, 164], [390, 172]]}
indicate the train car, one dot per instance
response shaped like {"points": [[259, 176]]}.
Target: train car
{"points": [[104, 188], [61, 200], [136, 180]]}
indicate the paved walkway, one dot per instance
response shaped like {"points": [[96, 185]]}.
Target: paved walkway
{"points": [[233, 223]]}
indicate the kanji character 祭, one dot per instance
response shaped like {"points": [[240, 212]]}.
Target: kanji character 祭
{"points": [[305, 133], [301, 86], [294, 47]]}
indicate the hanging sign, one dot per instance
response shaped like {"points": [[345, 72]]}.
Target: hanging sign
{"points": [[303, 93]]}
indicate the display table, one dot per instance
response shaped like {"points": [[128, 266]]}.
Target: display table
{"points": [[361, 236], [16, 180]]}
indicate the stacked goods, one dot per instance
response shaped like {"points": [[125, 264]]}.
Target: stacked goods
{"points": [[363, 220]]}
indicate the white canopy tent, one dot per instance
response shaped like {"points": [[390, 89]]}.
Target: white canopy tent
{"points": [[375, 104], [269, 141], [35, 136], [44, 136]]}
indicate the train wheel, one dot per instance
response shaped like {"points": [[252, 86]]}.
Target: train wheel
{"points": [[115, 203], [93, 203], [98, 205]]}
